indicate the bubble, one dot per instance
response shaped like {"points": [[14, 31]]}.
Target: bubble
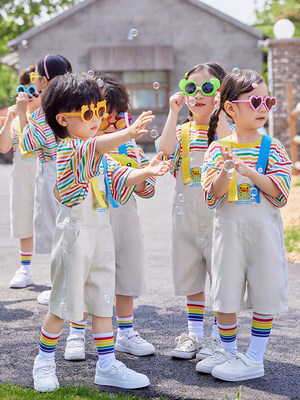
{"points": [[107, 298], [154, 134], [100, 82], [235, 70], [179, 210], [156, 85], [189, 180], [228, 165], [134, 32], [274, 108], [200, 242], [63, 305], [91, 73], [253, 192], [192, 101], [108, 247], [180, 197], [241, 170]]}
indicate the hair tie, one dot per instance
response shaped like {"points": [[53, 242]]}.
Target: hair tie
{"points": [[236, 70], [186, 75], [254, 85], [45, 67]]}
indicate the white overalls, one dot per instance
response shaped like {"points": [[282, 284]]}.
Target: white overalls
{"points": [[191, 233], [83, 261], [248, 255]]}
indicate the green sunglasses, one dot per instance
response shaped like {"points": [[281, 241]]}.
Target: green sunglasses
{"points": [[208, 88]]}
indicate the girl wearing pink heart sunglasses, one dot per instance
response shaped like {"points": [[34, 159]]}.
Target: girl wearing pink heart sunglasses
{"points": [[248, 255]]}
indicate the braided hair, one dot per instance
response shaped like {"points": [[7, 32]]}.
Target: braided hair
{"points": [[233, 85], [214, 69]]}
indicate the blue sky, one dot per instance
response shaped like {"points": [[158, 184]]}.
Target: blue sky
{"points": [[242, 10]]}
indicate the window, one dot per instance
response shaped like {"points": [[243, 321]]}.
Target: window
{"points": [[142, 94]]}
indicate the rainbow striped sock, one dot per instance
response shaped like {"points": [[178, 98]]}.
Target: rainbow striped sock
{"points": [[215, 329], [260, 332], [78, 327], [48, 343], [195, 314], [25, 257], [105, 348], [228, 337], [124, 324]]}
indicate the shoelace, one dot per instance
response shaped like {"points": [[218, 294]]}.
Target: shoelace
{"points": [[45, 371], [183, 339]]}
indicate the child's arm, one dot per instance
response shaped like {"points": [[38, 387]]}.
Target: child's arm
{"points": [[157, 167], [220, 184], [5, 139], [106, 143], [22, 104], [168, 136]]}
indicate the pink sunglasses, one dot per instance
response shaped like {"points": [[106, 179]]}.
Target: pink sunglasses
{"points": [[257, 101]]}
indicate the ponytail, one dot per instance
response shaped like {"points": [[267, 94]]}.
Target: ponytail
{"points": [[189, 118], [213, 123]]}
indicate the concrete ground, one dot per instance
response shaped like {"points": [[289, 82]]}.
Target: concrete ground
{"points": [[159, 317]]}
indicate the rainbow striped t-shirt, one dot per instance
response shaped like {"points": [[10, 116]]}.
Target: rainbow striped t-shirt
{"points": [[77, 165], [279, 168]]}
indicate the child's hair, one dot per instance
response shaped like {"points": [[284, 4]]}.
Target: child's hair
{"points": [[115, 93], [67, 93], [53, 65], [233, 85], [24, 78], [213, 68]]}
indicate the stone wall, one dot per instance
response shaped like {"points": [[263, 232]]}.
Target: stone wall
{"points": [[283, 67]]}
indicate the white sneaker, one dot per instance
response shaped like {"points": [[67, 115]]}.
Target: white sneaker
{"points": [[187, 346], [21, 279], [118, 375], [212, 344], [75, 347], [132, 343], [220, 356], [239, 368], [44, 376], [44, 297]]}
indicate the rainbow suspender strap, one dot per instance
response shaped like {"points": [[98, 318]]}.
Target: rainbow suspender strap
{"points": [[261, 165], [185, 161]]}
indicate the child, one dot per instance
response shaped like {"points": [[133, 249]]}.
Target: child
{"points": [[22, 179], [192, 221], [82, 260], [248, 254], [38, 137], [128, 240]]}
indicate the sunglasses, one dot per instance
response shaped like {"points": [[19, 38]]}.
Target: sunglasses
{"points": [[120, 122], [88, 113], [207, 88], [31, 90], [33, 76], [257, 101]]}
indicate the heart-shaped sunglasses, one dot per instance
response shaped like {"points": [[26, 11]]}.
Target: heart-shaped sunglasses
{"points": [[257, 101]]}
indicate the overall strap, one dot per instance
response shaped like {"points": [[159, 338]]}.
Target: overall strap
{"points": [[185, 160], [112, 201], [262, 161], [123, 149], [232, 189]]}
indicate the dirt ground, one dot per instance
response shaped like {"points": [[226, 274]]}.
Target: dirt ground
{"points": [[291, 214]]}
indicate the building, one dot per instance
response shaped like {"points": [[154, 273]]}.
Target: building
{"points": [[143, 42]]}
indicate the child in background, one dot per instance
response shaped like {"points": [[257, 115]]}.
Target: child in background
{"points": [[128, 238], [22, 179], [192, 221], [246, 177], [82, 260], [38, 137]]}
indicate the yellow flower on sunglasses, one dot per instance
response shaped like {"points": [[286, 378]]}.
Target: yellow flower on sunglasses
{"points": [[88, 113], [33, 76]]}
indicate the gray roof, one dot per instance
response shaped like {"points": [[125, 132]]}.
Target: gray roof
{"points": [[78, 7]]}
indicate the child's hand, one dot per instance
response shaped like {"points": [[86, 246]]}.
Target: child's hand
{"points": [[157, 167], [22, 102], [226, 153], [137, 129], [241, 167], [12, 112], [176, 102]]}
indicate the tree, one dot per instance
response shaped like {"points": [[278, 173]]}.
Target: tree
{"points": [[277, 9], [16, 17]]}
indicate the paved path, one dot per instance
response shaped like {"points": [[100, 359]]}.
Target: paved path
{"points": [[158, 315]]}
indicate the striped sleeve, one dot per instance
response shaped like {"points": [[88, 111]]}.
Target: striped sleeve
{"points": [[117, 176], [279, 170], [212, 165]]}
